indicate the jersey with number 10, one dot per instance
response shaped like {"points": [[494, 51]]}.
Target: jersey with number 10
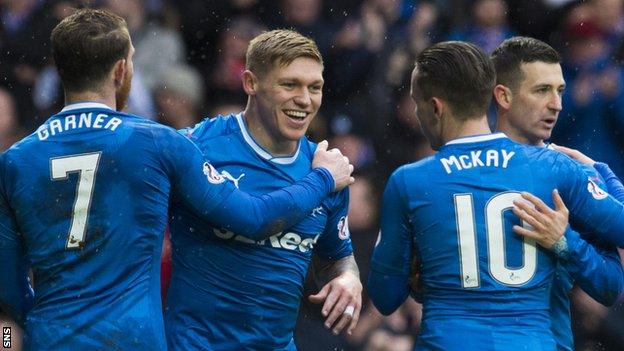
{"points": [[485, 288]]}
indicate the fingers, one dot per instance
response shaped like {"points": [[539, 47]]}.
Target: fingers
{"points": [[528, 218], [320, 296], [322, 146], [559, 204], [330, 308], [537, 202], [341, 303], [355, 319], [525, 232], [345, 319]]}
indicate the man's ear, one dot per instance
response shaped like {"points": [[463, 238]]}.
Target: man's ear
{"points": [[119, 71], [502, 96], [250, 82], [438, 107]]}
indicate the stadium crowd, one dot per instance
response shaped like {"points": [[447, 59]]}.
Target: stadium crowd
{"points": [[190, 56]]}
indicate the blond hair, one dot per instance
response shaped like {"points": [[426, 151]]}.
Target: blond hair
{"points": [[279, 47]]}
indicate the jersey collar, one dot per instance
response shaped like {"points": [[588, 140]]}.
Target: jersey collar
{"points": [[477, 138], [83, 105], [282, 160]]}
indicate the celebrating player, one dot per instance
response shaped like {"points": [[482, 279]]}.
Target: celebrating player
{"points": [[83, 202], [528, 97], [479, 277], [228, 291]]}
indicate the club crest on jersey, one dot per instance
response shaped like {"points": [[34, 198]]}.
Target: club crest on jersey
{"points": [[343, 228], [212, 174], [595, 190]]}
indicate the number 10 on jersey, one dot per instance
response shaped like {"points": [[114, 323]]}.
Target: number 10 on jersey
{"points": [[495, 236]]}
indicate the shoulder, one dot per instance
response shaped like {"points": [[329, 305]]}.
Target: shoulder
{"points": [[212, 127], [416, 169]]}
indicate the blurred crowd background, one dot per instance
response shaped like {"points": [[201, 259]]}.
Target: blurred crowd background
{"points": [[190, 55]]}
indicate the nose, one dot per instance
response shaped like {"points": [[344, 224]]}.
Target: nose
{"points": [[555, 103], [303, 98]]}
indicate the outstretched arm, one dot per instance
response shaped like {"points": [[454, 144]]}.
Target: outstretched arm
{"points": [[598, 272], [220, 203]]}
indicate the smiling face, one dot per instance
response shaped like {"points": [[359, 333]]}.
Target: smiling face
{"points": [[287, 99], [536, 103]]}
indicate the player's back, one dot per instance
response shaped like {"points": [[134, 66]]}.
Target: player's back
{"points": [[90, 196], [486, 288]]}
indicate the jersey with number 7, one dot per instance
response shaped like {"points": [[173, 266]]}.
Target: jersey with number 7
{"points": [[485, 288], [84, 199]]}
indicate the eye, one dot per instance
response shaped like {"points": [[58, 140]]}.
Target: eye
{"points": [[288, 85], [542, 90], [316, 88]]}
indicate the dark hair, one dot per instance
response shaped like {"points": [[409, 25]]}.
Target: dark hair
{"points": [[511, 53], [458, 72], [86, 45]]}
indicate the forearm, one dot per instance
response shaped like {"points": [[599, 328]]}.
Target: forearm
{"points": [[614, 185], [258, 217], [598, 272], [388, 292], [325, 270]]}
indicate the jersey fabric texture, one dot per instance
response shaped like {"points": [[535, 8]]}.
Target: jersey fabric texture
{"points": [[593, 264], [485, 288], [85, 198], [228, 292]]}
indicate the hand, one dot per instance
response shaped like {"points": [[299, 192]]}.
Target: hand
{"points": [[574, 154], [342, 298], [548, 226], [337, 164]]}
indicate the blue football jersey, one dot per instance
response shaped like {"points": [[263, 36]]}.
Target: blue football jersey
{"points": [[86, 196], [485, 288], [228, 292], [602, 280]]}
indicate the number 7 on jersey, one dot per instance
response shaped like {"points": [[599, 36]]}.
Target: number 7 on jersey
{"points": [[86, 167]]}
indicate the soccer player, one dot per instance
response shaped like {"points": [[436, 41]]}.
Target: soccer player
{"points": [[485, 288], [529, 84], [83, 202], [229, 291]]}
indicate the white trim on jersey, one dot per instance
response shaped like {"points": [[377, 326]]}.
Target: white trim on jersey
{"points": [[476, 138], [81, 105], [262, 152]]}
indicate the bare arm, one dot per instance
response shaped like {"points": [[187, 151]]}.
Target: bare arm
{"points": [[341, 291]]}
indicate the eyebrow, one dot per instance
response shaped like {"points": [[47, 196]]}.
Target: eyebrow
{"points": [[298, 80]]}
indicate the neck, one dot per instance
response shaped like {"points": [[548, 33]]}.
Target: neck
{"points": [[106, 99], [458, 129], [503, 125], [264, 136]]}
